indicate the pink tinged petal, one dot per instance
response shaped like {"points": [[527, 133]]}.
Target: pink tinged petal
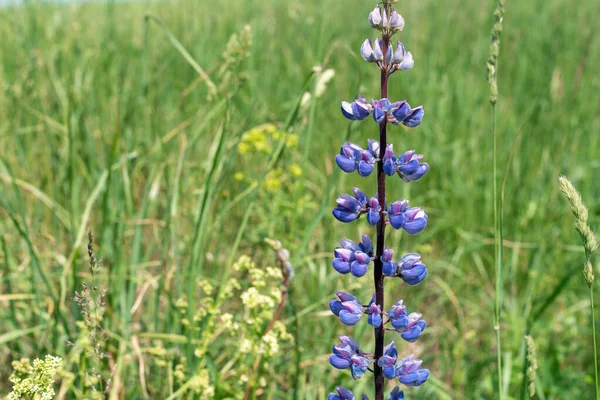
{"points": [[412, 319], [353, 307], [345, 254], [386, 361], [387, 255], [343, 296], [362, 258]]}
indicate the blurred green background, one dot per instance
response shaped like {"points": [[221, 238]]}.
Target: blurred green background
{"points": [[181, 153]]}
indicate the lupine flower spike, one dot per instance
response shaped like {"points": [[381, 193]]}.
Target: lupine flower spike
{"points": [[354, 258]]}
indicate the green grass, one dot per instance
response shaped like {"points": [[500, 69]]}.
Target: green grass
{"points": [[100, 127]]}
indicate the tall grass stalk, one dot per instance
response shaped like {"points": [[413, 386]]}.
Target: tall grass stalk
{"points": [[492, 66], [591, 288], [590, 245]]}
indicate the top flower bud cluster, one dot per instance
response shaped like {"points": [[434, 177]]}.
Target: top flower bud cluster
{"points": [[373, 52], [388, 25]]}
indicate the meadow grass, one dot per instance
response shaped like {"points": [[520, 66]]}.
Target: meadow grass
{"points": [[106, 123]]}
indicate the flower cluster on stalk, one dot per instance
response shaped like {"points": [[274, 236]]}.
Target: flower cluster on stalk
{"points": [[356, 258]]}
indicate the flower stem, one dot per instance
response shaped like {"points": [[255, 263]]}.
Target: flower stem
{"points": [[595, 348], [498, 260], [378, 274]]}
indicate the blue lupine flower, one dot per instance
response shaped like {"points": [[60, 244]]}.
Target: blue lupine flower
{"points": [[344, 394], [396, 394], [342, 353], [414, 327], [388, 360], [409, 167], [380, 107], [359, 109], [409, 326], [353, 157], [343, 259], [415, 117], [412, 271], [412, 219], [389, 268], [397, 315], [347, 308], [396, 213], [408, 372], [389, 166], [350, 208], [373, 147], [374, 312], [359, 366], [399, 113], [402, 60], [373, 213], [359, 266], [353, 258], [348, 355]]}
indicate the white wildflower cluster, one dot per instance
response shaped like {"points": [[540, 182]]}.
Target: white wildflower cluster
{"points": [[35, 380]]}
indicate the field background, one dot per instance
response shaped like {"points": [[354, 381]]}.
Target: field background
{"points": [[105, 124]]}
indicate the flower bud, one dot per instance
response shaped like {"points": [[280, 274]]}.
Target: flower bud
{"points": [[396, 22], [375, 18], [366, 51], [378, 52], [407, 62], [399, 53]]}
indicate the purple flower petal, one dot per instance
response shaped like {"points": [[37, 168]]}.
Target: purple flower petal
{"points": [[339, 362]]}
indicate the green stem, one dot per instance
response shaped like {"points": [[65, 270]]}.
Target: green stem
{"points": [[595, 348], [498, 259]]}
